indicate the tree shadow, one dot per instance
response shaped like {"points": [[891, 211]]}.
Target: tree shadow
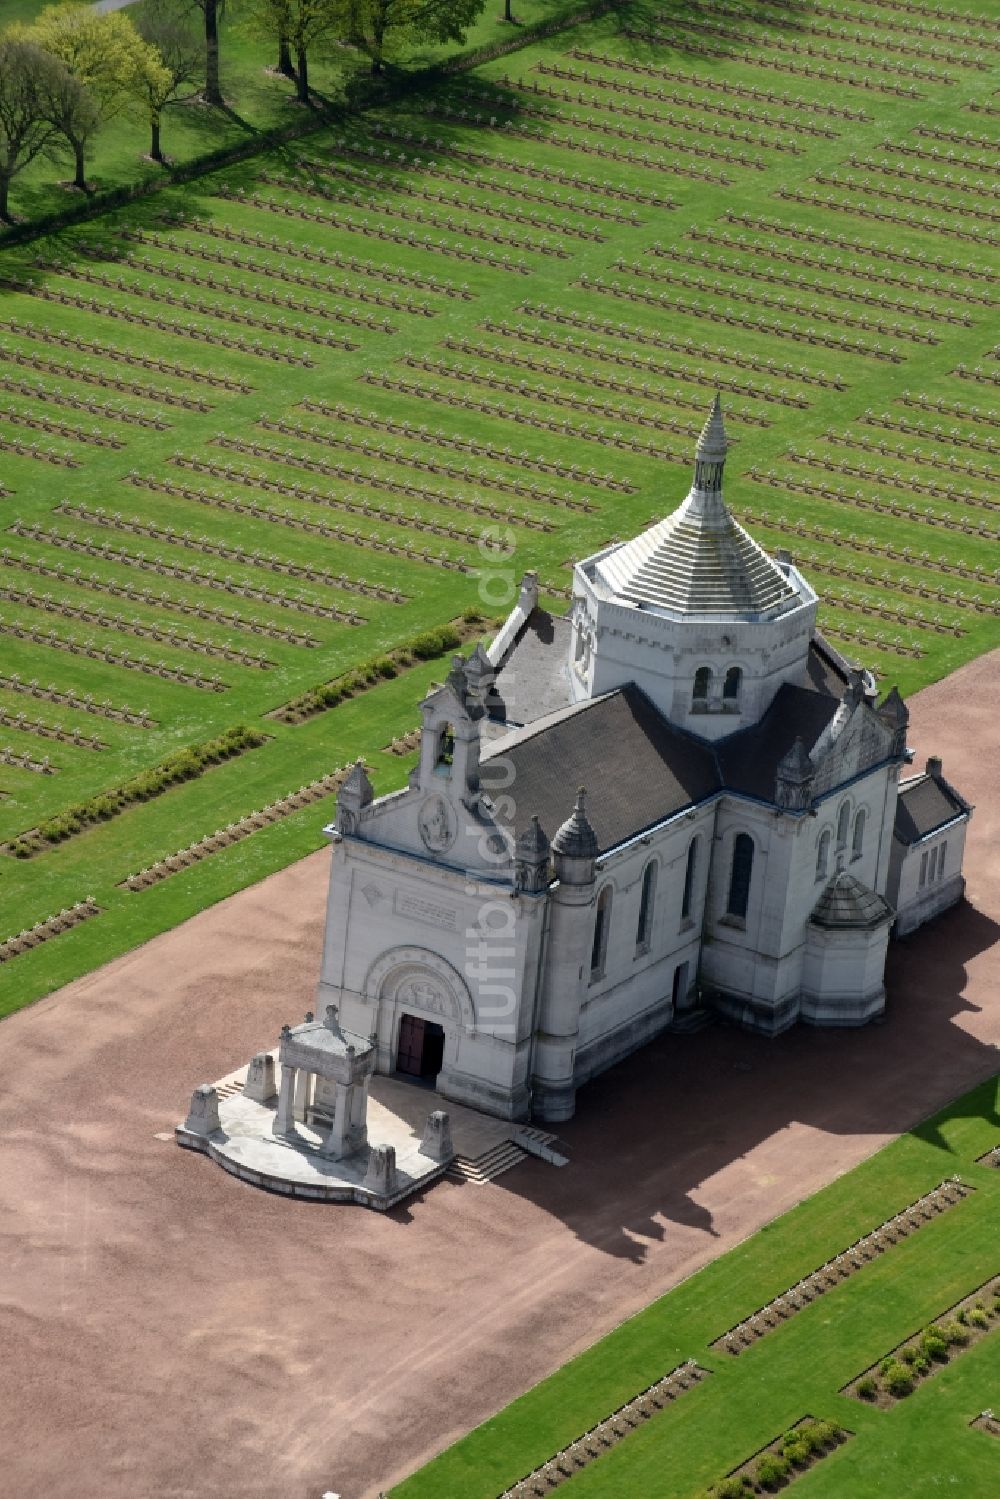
{"points": [[650, 1135]]}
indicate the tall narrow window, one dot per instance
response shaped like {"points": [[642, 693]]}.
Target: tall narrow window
{"points": [[923, 868], [941, 859], [446, 746], [602, 919], [740, 876], [731, 686], [932, 867], [702, 682], [857, 843], [644, 928], [823, 855], [692, 860], [843, 820]]}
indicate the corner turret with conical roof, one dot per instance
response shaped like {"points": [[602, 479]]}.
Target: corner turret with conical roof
{"points": [[693, 610], [575, 846]]}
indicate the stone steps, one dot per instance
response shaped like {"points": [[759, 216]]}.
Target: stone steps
{"points": [[488, 1166], [502, 1156]]}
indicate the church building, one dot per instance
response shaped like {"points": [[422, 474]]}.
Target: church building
{"points": [[675, 800]]}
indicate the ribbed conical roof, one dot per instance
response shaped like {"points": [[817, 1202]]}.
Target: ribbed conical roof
{"points": [[576, 838], [713, 444], [699, 560], [846, 902]]}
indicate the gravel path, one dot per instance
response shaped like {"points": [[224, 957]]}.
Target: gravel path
{"points": [[169, 1332]]}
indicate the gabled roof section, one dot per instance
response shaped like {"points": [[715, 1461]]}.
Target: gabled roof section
{"points": [[749, 760], [637, 768], [925, 804], [532, 679], [699, 560]]}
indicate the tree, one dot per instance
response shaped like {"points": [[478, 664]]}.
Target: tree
{"points": [[103, 52], [103, 55], [26, 76], [422, 20], [69, 107], [211, 11], [300, 25], [175, 65]]}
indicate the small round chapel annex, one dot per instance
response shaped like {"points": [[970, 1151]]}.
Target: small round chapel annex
{"points": [[744, 837]]}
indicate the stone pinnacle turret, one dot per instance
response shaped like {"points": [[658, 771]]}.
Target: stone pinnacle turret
{"points": [[710, 452]]}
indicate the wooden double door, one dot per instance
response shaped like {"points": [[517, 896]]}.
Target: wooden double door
{"points": [[421, 1048]]}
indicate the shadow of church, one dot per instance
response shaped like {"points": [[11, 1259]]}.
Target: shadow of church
{"points": [[650, 1133]]}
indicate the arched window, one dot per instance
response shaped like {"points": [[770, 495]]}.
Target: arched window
{"points": [[843, 821], [692, 860], [445, 746], [702, 682], [602, 921], [740, 876], [823, 855], [857, 842], [731, 686], [644, 928]]}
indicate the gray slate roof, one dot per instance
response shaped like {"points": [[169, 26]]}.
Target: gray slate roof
{"points": [[699, 560], [637, 769], [846, 902], [924, 805], [534, 678]]}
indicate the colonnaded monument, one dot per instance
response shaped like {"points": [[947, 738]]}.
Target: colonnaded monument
{"points": [[745, 835]]}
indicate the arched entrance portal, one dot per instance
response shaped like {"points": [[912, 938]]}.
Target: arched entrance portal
{"points": [[424, 1012], [420, 1053]]}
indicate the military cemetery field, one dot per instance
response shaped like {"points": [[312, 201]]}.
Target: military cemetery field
{"points": [[264, 429], [276, 439], [832, 1289]]}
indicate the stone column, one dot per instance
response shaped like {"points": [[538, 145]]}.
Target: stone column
{"points": [[336, 1143], [381, 1179], [259, 1085], [303, 1092], [437, 1141], [359, 1115], [284, 1121]]}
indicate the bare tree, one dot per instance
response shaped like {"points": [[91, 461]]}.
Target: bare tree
{"points": [[26, 75]]}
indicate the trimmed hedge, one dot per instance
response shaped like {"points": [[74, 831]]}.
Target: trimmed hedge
{"points": [[183, 765], [424, 647]]}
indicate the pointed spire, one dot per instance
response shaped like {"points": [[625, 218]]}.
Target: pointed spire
{"points": [[892, 709], [576, 838], [532, 858], [357, 785], [533, 845], [710, 452], [796, 765], [794, 779], [713, 444]]}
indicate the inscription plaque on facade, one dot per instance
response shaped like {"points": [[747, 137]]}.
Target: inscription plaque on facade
{"points": [[425, 910]]}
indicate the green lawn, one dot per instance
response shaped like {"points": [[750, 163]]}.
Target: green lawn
{"points": [[546, 393], [920, 1446], [256, 100]]}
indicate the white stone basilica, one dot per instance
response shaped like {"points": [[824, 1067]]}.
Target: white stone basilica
{"points": [[747, 837]]}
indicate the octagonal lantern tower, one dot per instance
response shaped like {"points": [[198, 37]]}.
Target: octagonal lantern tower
{"points": [[693, 611]]}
